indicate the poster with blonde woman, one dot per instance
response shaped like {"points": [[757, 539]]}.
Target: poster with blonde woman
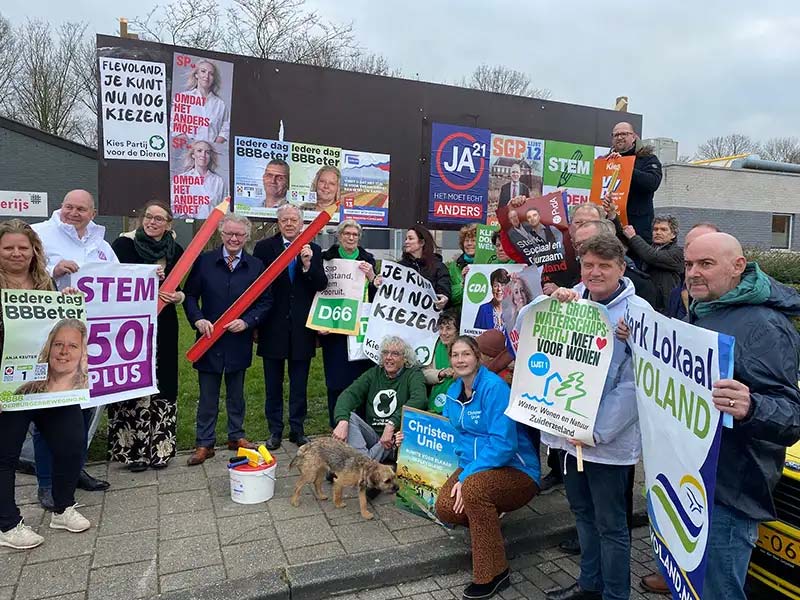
{"points": [[199, 188], [45, 358]]}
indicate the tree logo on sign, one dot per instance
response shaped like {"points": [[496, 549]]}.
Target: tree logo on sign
{"points": [[423, 355], [385, 403]]}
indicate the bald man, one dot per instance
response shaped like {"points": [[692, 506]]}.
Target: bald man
{"points": [[645, 179], [678, 302], [733, 296]]}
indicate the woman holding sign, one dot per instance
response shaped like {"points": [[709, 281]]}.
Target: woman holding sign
{"points": [[419, 253], [339, 371], [141, 432], [459, 266], [498, 469], [22, 267]]}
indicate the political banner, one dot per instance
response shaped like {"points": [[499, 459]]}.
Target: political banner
{"points": [[121, 305], [563, 354], [133, 107], [485, 251], [492, 292], [199, 134], [515, 171], [568, 168], [426, 460], [459, 175], [538, 233], [676, 366], [355, 343], [23, 204], [613, 176], [44, 360], [403, 306], [365, 187], [336, 308]]}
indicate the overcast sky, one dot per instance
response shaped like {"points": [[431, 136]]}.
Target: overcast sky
{"points": [[693, 70]]}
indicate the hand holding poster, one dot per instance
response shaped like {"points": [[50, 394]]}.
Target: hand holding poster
{"points": [[425, 462], [676, 366], [563, 357], [121, 305], [44, 361], [612, 176], [494, 295], [403, 306], [336, 308]]}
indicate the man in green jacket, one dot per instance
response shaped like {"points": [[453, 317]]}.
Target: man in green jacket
{"points": [[382, 390]]}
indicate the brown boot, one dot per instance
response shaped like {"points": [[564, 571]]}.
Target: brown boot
{"points": [[242, 443], [654, 583], [199, 456]]}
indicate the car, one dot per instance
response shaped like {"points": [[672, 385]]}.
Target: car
{"points": [[775, 566]]}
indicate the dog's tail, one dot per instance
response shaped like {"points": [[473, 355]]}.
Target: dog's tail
{"points": [[298, 458]]}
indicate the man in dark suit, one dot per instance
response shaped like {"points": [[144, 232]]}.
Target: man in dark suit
{"points": [[283, 334], [513, 189], [216, 280]]}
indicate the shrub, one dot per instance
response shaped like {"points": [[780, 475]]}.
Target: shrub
{"points": [[783, 266]]}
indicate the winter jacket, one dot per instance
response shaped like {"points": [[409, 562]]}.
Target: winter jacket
{"points": [[436, 272], [61, 242], [766, 353], [382, 398], [454, 267], [487, 438], [663, 263], [644, 182], [438, 393], [616, 427]]}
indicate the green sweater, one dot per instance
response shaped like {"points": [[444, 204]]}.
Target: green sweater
{"points": [[383, 398]]}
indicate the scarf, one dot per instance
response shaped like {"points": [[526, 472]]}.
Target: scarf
{"points": [[153, 250], [348, 255], [754, 288]]}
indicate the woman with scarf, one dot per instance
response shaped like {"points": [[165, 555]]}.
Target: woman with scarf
{"points": [[141, 432], [459, 266], [439, 374]]}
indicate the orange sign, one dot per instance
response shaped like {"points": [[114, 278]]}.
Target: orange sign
{"points": [[613, 177]]}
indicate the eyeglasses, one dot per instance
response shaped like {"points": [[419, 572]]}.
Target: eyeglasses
{"points": [[392, 353], [621, 134], [233, 235], [349, 234], [155, 218]]}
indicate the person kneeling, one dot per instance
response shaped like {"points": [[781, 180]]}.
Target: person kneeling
{"points": [[381, 391], [498, 470]]}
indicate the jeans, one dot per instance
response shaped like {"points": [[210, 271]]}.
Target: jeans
{"points": [[62, 427], [362, 437], [208, 407], [730, 543], [597, 498], [298, 388], [43, 456]]}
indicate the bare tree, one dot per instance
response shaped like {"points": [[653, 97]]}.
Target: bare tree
{"points": [[504, 80], [783, 149], [728, 145], [193, 23], [9, 63], [46, 90]]}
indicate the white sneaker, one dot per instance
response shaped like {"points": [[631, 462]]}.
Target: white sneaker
{"points": [[71, 520], [21, 537]]}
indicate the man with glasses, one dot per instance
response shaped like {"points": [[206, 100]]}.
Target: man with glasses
{"points": [[276, 182], [283, 335], [216, 281], [645, 179]]}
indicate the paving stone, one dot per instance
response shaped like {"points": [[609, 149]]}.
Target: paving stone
{"points": [[225, 507], [509, 594], [462, 578], [539, 579], [11, 562], [33, 515], [243, 560], [121, 478], [245, 528], [188, 553], [192, 579], [442, 595], [60, 544], [182, 525], [90, 498], [423, 596], [566, 565], [384, 593], [181, 481], [548, 567], [418, 587], [49, 579], [134, 580], [562, 579], [6, 592], [419, 534], [121, 501], [398, 519], [529, 591], [352, 536], [26, 494], [124, 548], [306, 531], [219, 486], [307, 554], [115, 522], [184, 502], [281, 509]]}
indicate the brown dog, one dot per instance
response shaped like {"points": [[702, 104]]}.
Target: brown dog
{"points": [[349, 467]]}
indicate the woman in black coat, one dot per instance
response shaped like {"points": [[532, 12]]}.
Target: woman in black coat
{"points": [[339, 371], [419, 253], [141, 432]]}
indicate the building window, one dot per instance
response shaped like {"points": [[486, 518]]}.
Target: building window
{"points": [[781, 231]]}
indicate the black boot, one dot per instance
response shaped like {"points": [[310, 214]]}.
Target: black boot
{"points": [[574, 592], [479, 591], [91, 484]]}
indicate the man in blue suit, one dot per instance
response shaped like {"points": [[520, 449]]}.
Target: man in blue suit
{"points": [[283, 335], [216, 280]]}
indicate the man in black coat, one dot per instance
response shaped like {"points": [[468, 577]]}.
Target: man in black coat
{"points": [[513, 189], [283, 335], [645, 179], [216, 281]]}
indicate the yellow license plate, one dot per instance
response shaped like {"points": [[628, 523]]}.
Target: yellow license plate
{"points": [[780, 545]]}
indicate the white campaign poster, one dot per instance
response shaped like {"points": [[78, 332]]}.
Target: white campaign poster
{"points": [[336, 308], [355, 343], [403, 306], [563, 356], [121, 309], [23, 204], [133, 105], [676, 366]]}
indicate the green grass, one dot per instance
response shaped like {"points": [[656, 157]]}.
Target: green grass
{"points": [[255, 421]]}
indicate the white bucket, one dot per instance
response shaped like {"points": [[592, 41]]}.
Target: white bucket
{"points": [[251, 485]]}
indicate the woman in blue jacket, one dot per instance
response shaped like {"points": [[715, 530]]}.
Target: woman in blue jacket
{"points": [[498, 469]]}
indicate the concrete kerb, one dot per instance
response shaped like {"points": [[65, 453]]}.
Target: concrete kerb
{"points": [[321, 579]]}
